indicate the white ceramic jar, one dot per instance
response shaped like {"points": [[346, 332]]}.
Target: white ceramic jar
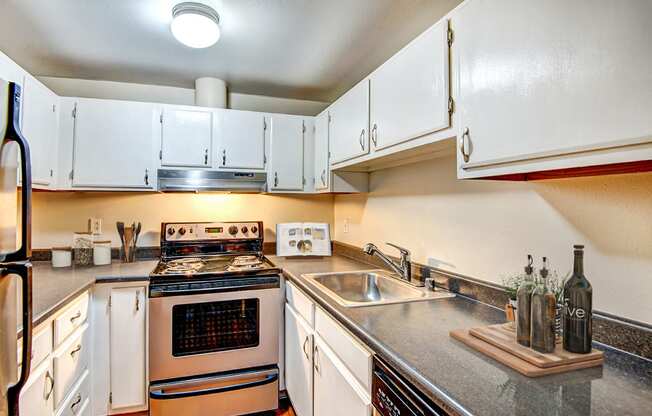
{"points": [[61, 256], [101, 252]]}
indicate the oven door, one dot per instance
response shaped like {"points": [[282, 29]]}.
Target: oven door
{"points": [[194, 332]]}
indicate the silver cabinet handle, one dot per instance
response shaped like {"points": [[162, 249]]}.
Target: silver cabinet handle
{"points": [[305, 344], [315, 358], [137, 301], [48, 377], [323, 177], [275, 179], [76, 350], [464, 145], [75, 317], [205, 156], [362, 139], [374, 135], [224, 157], [146, 176], [74, 404]]}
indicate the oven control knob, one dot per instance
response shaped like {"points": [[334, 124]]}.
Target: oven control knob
{"points": [[171, 231], [244, 229], [254, 229], [233, 230], [182, 231]]}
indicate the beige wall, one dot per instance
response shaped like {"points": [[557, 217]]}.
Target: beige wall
{"points": [[74, 87], [484, 229], [56, 215]]}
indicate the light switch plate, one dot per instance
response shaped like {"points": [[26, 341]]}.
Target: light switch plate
{"points": [[95, 226]]}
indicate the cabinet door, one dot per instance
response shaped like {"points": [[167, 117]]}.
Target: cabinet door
{"points": [[114, 144], [40, 127], [410, 92], [186, 137], [298, 362], [321, 151], [286, 153], [36, 398], [558, 78], [128, 346], [336, 390], [349, 129], [241, 138]]}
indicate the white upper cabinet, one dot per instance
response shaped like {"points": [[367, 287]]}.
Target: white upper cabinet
{"points": [[545, 83], [114, 144], [321, 170], [409, 94], [40, 121], [349, 130], [240, 139], [186, 137], [286, 153]]}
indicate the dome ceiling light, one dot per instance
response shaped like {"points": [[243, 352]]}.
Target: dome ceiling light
{"points": [[195, 25]]}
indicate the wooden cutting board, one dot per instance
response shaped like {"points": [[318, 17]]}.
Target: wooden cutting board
{"points": [[516, 363], [505, 339]]}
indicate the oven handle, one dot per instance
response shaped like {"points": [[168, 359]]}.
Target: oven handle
{"points": [[160, 394]]}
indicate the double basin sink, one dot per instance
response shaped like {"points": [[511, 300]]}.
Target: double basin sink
{"points": [[371, 287]]}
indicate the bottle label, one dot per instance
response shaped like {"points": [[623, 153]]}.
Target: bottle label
{"points": [[574, 311]]}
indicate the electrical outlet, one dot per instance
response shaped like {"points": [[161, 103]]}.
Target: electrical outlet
{"points": [[346, 225], [95, 225]]}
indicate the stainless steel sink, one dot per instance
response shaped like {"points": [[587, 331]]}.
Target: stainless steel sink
{"points": [[371, 287]]}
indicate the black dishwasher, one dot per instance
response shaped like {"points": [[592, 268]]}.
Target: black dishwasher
{"points": [[392, 396]]}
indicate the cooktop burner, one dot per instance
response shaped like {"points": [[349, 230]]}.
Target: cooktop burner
{"points": [[213, 266]]}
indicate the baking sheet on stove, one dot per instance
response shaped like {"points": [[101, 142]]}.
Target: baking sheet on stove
{"points": [[303, 239]]}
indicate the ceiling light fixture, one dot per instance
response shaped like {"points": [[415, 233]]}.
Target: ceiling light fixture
{"points": [[196, 25]]}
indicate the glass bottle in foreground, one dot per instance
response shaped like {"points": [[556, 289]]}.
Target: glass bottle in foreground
{"points": [[523, 312], [577, 311], [542, 327]]}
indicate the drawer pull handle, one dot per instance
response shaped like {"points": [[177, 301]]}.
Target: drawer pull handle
{"points": [[48, 377], [305, 344], [75, 317], [362, 139], [76, 350], [78, 400]]}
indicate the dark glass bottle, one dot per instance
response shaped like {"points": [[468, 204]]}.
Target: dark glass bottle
{"points": [[577, 311], [523, 296], [542, 327]]}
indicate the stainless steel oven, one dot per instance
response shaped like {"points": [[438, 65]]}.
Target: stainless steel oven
{"points": [[214, 345]]}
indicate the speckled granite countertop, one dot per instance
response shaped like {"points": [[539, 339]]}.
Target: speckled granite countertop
{"points": [[413, 338], [54, 288]]}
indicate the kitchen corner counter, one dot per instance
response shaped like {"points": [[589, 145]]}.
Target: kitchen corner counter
{"points": [[413, 339], [55, 287]]}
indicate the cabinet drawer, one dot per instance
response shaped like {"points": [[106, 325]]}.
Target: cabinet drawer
{"points": [[78, 398], [301, 303], [41, 346], [72, 318], [70, 361], [36, 396], [354, 356]]}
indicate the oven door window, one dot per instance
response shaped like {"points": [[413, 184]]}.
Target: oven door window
{"points": [[200, 328]]}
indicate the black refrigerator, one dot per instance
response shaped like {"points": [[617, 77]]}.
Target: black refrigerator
{"points": [[15, 250]]}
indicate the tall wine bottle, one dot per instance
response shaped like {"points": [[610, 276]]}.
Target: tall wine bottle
{"points": [[542, 307], [523, 313], [577, 311]]}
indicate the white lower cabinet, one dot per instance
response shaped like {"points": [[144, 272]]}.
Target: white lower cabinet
{"points": [[70, 361], [37, 397], [325, 374], [128, 346], [298, 362], [78, 399], [336, 392], [120, 376]]}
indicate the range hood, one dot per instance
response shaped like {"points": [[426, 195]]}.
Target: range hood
{"points": [[196, 180]]}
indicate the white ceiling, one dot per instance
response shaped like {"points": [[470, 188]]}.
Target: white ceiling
{"points": [[310, 49]]}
